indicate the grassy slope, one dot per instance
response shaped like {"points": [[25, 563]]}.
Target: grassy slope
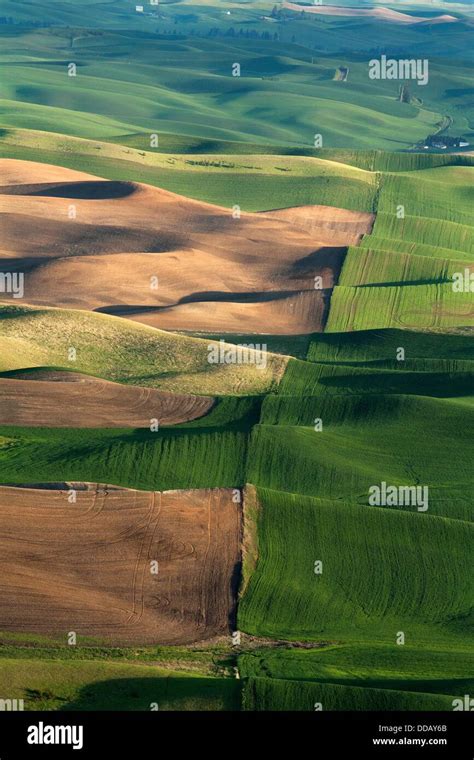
{"points": [[375, 346], [366, 440], [86, 685], [437, 192], [210, 454], [247, 180], [275, 694], [376, 561], [288, 345], [426, 231], [409, 307], [366, 676], [440, 378], [394, 286], [383, 571], [124, 351], [379, 666], [373, 266], [438, 206], [51, 147]]}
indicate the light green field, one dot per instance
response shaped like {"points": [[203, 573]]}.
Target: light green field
{"points": [[255, 182], [407, 307], [420, 229], [409, 247], [89, 685], [383, 572], [124, 351], [372, 266], [286, 93], [92, 155], [443, 193], [402, 275], [366, 440]]}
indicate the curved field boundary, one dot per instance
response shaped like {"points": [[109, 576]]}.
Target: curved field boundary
{"points": [[278, 694], [90, 402]]}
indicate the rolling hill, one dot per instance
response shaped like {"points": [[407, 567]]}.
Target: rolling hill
{"points": [[181, 268]]}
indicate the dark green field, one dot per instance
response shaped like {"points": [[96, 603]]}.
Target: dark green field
{"points": [[207, 453], [333, 676]]}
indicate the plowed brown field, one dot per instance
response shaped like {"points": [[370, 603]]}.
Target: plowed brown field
{"points": [[384, 14], [86, 567], [156, 257], [74, 400]]}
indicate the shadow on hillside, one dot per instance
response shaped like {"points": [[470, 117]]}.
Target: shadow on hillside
{"points": [[169, 693], [87, 190]]}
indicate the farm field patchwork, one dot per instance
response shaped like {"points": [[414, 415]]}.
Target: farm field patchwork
{"points": [[187, 84], [333, 674], [208, 452], [122, 258], [236, 357]]}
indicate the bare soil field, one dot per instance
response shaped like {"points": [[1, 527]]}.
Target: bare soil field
{"points": [[284, 314], [338, 225], [167, 261], [65, 399], [86, 567], [385, 14]]}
